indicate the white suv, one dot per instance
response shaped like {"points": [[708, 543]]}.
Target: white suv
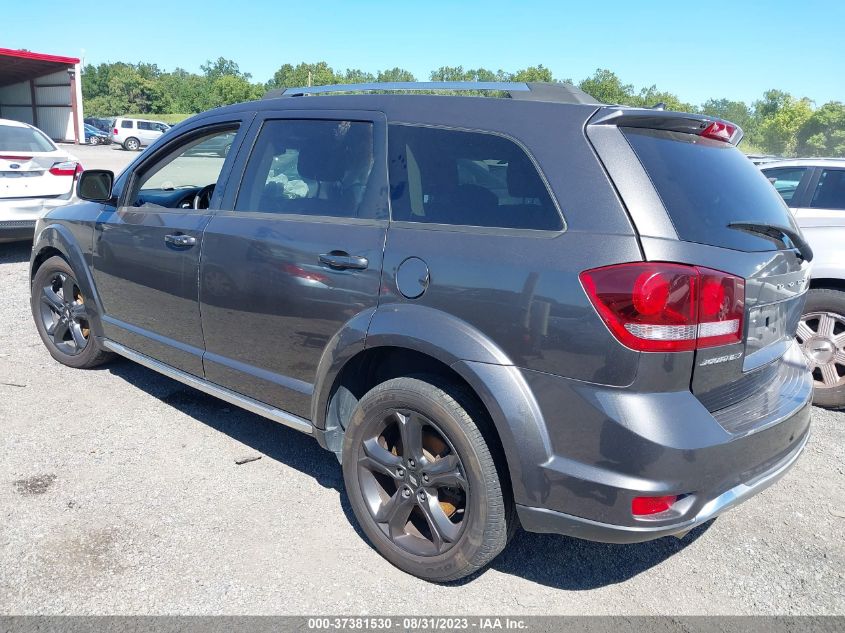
{"points": [[132, 134]]}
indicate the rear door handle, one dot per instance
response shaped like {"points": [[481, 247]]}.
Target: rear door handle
{"points": [[340, 260], [180, 240]]}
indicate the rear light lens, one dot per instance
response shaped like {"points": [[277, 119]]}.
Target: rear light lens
{"points": [[67, 168], [115, 131], [658, 307], [719, 131], [644, 506]]}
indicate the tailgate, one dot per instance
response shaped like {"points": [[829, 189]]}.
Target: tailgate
{"points": [[696, 199]]}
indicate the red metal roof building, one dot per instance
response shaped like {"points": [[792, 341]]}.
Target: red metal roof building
{"points": [[44, 91]]}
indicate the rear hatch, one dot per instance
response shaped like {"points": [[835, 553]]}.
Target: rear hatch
{"points": [[696, 199]]}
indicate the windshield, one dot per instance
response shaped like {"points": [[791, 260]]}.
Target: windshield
{"points": [[23, 139], [706, 185]]}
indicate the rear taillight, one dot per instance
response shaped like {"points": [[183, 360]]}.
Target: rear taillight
{"points": [[115, 131], [658, 307], [67, 168], [719, 131], [643, 506]]}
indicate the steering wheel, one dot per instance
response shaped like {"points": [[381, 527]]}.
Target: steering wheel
{"points": [[202, 200]]}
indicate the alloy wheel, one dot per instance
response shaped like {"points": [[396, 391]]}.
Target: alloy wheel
{"points": [[822, 338], [63, 314], [413, 483]]}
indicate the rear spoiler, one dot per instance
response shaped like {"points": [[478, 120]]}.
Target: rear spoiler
{"points": [[684, 122]]}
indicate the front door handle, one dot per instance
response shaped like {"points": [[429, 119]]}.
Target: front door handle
{"points": [[340, 260], [180, 240]]}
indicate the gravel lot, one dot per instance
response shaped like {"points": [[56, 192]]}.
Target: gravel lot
{"points": [[119, 493]]}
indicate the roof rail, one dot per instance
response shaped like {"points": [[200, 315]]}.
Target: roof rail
{"points": [[530, 91]]}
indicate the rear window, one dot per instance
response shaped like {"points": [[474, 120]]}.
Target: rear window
{"points": [[23, 139], [706, 185]]}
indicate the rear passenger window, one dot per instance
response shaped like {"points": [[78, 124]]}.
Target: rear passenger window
{"points": [[312, 167], [830, 192], [466, 178], [126, 124], [146, 125]]}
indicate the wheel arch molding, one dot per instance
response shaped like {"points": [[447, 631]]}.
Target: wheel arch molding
{"points": [[430, 334], [57, 239]]}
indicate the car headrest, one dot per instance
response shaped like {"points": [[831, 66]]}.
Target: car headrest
{"points": [[523, 180], [321, 162]]}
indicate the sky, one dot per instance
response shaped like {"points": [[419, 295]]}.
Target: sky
{"points": [[697, 50]]}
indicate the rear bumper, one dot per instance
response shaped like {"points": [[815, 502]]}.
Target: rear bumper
{"points": [[614, 444], [550, 521], [17, 230]]}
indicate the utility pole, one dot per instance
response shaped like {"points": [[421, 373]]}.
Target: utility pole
{"points": [[309, 78]]}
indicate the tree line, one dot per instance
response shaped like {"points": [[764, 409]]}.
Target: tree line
{"points": [[778, 123]]}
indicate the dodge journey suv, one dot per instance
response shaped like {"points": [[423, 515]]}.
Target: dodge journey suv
{"points": [[531, 310]]}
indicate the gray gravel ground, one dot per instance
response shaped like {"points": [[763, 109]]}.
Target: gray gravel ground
{"points": [[119, 493]]}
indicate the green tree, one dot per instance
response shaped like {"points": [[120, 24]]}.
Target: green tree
{"points": [[395, 74], [780, 116], [221, 67], [606, 86], [532, 73], [823, 133], [228, 89], [303, 74]]}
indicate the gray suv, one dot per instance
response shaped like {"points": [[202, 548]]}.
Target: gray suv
{"points": [[529, 310]]}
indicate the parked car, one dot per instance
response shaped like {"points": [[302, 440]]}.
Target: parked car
{"points": [[104, 125], [94, 136], [35, 176], [815, 191], [133, 134], [589, 332]]}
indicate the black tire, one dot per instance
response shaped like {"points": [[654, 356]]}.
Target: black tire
{"points": [[449, 420], [823, 342], [69, 319], [132, 144], [95, 140]]}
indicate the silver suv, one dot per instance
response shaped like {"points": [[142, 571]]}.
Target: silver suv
{"points": [[815, 191], [132, 134]]}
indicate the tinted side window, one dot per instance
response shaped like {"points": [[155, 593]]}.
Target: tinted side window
{"points": [[146, 125], [830, 192], [311, 167], [466, 178], [785, 180], [126, 124]]}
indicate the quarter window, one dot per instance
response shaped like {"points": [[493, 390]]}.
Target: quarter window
{"points": [[785, 180], [830, 192], [312, 167], [466, 178]]}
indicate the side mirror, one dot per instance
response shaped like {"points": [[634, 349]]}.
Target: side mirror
{"points": [[95, 185]]}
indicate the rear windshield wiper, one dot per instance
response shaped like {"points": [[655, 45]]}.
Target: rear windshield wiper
{"points": [[778, 232]]}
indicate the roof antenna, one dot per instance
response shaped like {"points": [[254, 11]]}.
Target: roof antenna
{"points": [[659, 106]]}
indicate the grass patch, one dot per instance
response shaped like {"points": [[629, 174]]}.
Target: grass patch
{"points": [[170, 119]]}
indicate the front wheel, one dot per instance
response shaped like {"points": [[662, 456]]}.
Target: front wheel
{"points": [[95, 140], [422, 481], [62, 317], [821, 334]]}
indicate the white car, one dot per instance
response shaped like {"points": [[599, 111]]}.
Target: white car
{"points": [[133, 134], [35, 177], [814, 189]]}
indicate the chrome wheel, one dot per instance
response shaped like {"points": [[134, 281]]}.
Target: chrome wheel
{"points": [[63, 314], [822, 338], [413, 483]]}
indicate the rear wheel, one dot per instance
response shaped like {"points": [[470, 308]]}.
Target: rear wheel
{"points": [[132, 144], [62, 317], [821, 334], [422, 481]]}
